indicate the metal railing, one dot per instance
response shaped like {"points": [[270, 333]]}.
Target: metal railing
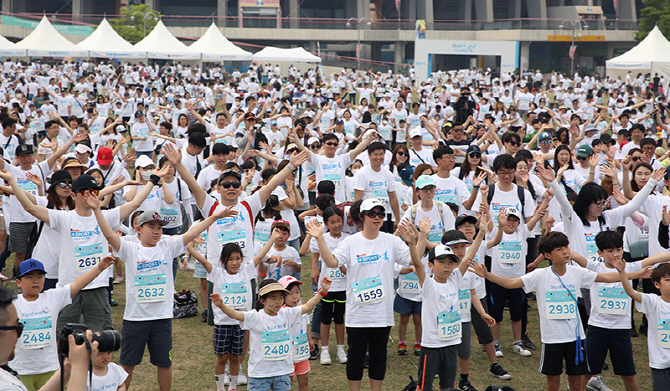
{"points": [[273, 22]]}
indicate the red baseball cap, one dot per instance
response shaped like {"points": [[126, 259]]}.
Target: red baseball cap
{"points": [[105, 156]]}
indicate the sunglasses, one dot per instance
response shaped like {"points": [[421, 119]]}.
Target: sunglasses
{"points": [[94, 192], [227, 184], [315, 146], [635, 158], [457, 130], [331, 144], [401, 153], [373, 214], [515, 144], [581, 158], [291, 151], [545, 142], [63, 185], [19, 328], [476, 155]]}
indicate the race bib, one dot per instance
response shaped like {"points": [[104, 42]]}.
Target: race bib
{"points": [[169, 215], [369, 291], [336, 275], [382, 196], [262, 237], [335, 178], [448, 326], [234, 295], [560, 305], [591, 248], [435, 237], [409, 284], [445, 195], [150, 288], [87, 256], [464, 300], [275, 345], [509, 252], [300, 347], [664, 333], [36, 333], [237, 236], [612, 301], [28, 186]]}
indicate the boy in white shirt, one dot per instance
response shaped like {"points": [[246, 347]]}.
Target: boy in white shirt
{"points": [[280, 259], [147, 319], [556, 289]]}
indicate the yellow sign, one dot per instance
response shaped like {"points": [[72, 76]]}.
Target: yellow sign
{"points": [[583, 38]]}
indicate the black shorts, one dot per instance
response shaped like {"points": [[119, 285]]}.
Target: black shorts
{"points": [[440, 361], [332, 307], [497, 297], [617, 341], [482, 328], [155, 333], [553, 354]]}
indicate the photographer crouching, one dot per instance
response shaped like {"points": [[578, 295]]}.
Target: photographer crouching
{"points": [[75, 367]]}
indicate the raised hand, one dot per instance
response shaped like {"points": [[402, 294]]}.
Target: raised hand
{"points": [[228, 212], [477, 268], [546, 173], [161, 172], [619, 197], [91, 200], [216, 299], [6, 175], [502, 217], [173, 154], [298, 159], [425, 226], [107, 262], [34, 178], [479, 179], [325, 283], [314, 228], [593, 161], [626, 162], [666, 216], [657, 175]]}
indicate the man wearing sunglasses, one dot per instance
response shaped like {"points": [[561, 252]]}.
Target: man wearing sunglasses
{"points": [[10, 332], [82, 246], [21, 223], [328, 166]]}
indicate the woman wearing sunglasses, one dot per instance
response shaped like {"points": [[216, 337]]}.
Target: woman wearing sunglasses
{"points": [[398, 161]]}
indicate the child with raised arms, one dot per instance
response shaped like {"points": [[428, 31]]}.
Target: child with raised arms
{"points": [[270, 361], [556, 290], [147, 319]]}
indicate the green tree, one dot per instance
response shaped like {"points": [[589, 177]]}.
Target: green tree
{"points": [[655, 12], [131, 25]]}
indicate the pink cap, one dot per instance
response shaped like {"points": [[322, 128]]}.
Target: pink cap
{"points": [[288, 280]]}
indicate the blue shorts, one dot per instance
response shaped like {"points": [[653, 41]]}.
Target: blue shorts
{"points": [[406, 307], [599, 340], [274, 383], [228, 339], [200, 271], [157, 334]]}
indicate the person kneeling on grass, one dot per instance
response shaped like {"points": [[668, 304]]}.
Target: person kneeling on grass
{"points": [[270, 361], [556, 289]]}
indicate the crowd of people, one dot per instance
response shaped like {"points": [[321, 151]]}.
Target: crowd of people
{"points": [[472, 192]]}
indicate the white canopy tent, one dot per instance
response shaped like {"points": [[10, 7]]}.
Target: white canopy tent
{"points": [[9, 48], [273, 54], [45, 41], [161, 44], [215, 47], [107, 43], [652, 55]]}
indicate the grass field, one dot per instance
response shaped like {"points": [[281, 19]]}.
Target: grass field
{"points": [[193, 356]]}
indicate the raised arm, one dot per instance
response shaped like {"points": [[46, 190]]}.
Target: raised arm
{"points": [[38, 211], [128, 208], [407, 233], [509, 283], [325, 285], [231, 313], [113, 239], [197, 229], [314, 228], [82, 281], [642, 195], [77, 138], [174, 156], [549, 176], [294, 162]]}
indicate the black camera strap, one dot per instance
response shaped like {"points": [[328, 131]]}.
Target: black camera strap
{"points": [[61, 358]]}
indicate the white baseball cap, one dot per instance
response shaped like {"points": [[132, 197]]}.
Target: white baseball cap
{"points": [[144, 161], [370, 204], [416, 132]]}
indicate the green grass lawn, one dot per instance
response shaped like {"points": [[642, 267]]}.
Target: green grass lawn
{"points": [[193, 355]]}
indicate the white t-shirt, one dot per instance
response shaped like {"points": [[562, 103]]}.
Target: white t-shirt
{"points": [[172, 212], [507, 199], [114, 378], [508, 258], [237, 229], [82, 245], [370, 265], [440, 301], [36, 350], [420, 157], [657, 311], [18, 213], [149, 280], [9, 382], [270, 341], [439, 223], [276, 270], [332, 169], [339, 279], [470, 281], [546, 285], [235, 290], [142, 130], [451, 189], [375, 185], [610, 305]]}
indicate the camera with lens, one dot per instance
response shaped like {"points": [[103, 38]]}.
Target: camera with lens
{"points": [[108, 340]]}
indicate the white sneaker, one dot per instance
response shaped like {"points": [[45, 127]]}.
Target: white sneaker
{"points": [[521, 350], [499, 352], [597, 384], [325, 357], [342, 356], [241, 378], [118, 280]]}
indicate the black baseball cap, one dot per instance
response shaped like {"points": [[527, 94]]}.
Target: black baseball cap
{"points": [[465, 219], [84, 182], [24, 149], [60, 176]]}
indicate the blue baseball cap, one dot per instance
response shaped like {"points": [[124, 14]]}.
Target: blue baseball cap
{"points": [[424, 180], [407, 175], [29, 265], [544, 135]]}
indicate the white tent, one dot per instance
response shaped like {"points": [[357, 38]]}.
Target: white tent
{"points": [[161, 44], [652, 55], [9, 48], [273, 54], [45, 41], [215, 47], [105, 42]]}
